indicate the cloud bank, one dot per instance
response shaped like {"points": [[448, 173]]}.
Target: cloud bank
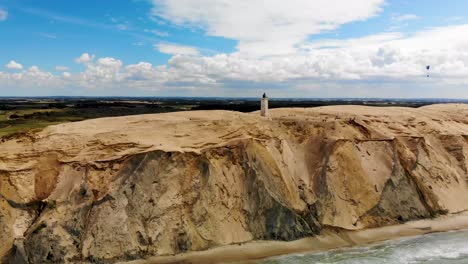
{"points": [[377, 60], [174, 49], [265, 29], [274, 53]]}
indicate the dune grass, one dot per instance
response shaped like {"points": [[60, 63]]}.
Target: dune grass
{"points": [[21, 123]]}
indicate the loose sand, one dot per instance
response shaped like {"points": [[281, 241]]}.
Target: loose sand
{"points": [[253, 251]]}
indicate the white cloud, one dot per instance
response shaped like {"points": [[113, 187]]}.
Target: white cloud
{"points": [[387, 64], [30, 79], [3, 14], [140, 71], [84, 58], [13, 65], [103, 71], [61, 68], [364, 42], [175, 49], [121, 24], [265, 28], [157, 33], [110, 63], [406, 17]]}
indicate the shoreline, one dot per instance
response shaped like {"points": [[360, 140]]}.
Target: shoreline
{"points": [[257, 250]]}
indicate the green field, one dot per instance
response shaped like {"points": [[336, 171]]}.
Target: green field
{"points": [[21, 123], [21, 128], [29, 116]]}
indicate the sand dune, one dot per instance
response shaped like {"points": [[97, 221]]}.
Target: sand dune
{"points": [[124, 188]]}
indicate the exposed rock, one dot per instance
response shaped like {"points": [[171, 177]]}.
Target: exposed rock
{"points": [[126, 188]]}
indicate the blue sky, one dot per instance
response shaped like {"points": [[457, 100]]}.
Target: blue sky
{"points": [[226, 48], [56, 32]]}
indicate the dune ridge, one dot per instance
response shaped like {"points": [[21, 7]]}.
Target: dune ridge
{"points": [[125, 188]]}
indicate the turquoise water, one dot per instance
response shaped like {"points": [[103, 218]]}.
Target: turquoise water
{"points": [[440, 248]]}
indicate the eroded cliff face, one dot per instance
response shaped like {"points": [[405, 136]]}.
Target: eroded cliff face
{"points": [[127, 188]]}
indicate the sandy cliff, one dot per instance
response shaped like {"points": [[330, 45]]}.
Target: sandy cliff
{"points": [[131, 187]]}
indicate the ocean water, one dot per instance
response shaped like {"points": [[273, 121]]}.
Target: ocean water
{"points": [[440, 248]]}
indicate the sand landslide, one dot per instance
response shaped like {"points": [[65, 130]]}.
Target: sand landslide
{"points": [[126, 188]]}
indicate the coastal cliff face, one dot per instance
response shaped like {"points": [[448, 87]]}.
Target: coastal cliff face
{"points": [[117, 189]]}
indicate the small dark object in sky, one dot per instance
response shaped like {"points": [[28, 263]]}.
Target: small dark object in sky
{"points": [[428, 67]]}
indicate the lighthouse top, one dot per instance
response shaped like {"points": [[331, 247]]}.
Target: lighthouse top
{"points": [[264, 105]]}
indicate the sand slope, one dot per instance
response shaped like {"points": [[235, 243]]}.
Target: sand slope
{"points": [[153, 185]]}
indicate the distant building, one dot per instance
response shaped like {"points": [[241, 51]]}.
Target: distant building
{"points": [[264, 105]]}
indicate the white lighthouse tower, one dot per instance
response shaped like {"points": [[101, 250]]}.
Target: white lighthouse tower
{"points": [[264, 105]]}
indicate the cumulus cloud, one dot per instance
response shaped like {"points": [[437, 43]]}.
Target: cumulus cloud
{"points": [[394, 56], [103, 71], [61, 68], [174, 49], [265, 29], [399, 56], [32, 78], [387, 64], [13, 65], [84, 58], [3, 14], [140, 71]]}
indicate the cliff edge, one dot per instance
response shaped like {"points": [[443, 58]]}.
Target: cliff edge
{"points": [[124, 188]]}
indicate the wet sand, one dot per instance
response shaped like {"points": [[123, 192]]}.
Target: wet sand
{"points": [[252, 251]]}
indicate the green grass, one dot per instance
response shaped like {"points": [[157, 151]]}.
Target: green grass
{"points": [[24, 112], [20, 125], [3, 115], [34, 118], [25, 127]]}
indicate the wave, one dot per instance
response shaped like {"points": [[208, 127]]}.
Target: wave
{"points": [[440, 248]]}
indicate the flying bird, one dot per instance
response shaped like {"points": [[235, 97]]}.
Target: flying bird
{"points": [[428, 67]]}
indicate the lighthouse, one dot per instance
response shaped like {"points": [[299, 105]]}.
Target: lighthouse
{"points": [[264, 105]]}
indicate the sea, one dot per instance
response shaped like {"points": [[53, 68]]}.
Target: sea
{"points": [[437, 248]]}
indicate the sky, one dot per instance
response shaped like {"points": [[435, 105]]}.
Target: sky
{"points": [[235, 48]]}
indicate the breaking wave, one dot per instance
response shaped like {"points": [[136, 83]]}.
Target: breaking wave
{"points": [[440, 248]]}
